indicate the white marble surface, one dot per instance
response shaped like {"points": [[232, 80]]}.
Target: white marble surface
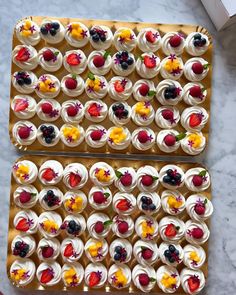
{"points": [[221, 156]]}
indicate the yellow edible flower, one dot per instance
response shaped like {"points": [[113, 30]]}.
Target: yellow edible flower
{"points": [[194, 256], [76, 31], [93, 249], [142, 109], [195, 140], [50, 226], [46, 86], [26, 31], [22, 171], [117, 135], [72, 133], [94, 84], [70, 276], [18, 274], [173, 203], [168, 281], [147, 229], [74, 204], [102, 176], [120, 278], [172, 65]]}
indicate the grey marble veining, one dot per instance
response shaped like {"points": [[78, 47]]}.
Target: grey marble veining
{"points": [[221, 155]]}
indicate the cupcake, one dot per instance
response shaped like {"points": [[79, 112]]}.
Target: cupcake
{"points": [[27, 32], [171, 229], [96, 250], [173, 43], [23, 246], [172, 67], [74, 225], [192, 281], [50, 59], [196, 43], [75, 176], [147, 179], [48, 110], [52, 31], [23, 106], [71, 135], [96, 136], [49, 273], [123, 63], [168, 279], [48, 249], [50, 198], [24, 82], [194, 256], [119, 113], [125, 39], [25, 172], [120, 88], [119, 138], [144, 277], [122, 226], [22, 272], [95, 110], [146, 227], [148, 65], [102, 174], [143, 113], [48, 135], [149, 40], [26, 221], [72, 249], [146, 252], [197, 179], [143, 138], [25, 196], [124, 203], [99, 225], [120, 251], [199, 207], [171, 176], [197, 233], [194, 118], [72, 111], [96, 87], [169, 92], [194, 93], [48, 86], [168, 140], [144, 90], [77, 34], [148, 203], [25, 57], [72, 274], [50, 224], [193, 143], [72, 85], [196, 69], [125, 179], [50, 172], [99, 197], [75, 61], [171, 254], [101, 37], [24, 133], [99, 62], [74, 201], [119, 276], [95, 275], [173, 202], [167, 117]]}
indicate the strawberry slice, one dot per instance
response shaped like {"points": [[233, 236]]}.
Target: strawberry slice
{"points": [[23, 54], [20, 105], [195, 120], [23, 225], [171, 230], [94, 278], [68, 252], [149, 62], [48, 174], [93, 110], [193, 283], [118, 87], [74, 179], [73, 60], [123, 205], [150, 37], [47, 276]]}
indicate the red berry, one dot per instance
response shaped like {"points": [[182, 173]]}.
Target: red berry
{"points": [[195, 120], [126, 179], [23, 54], [147, 254], [99, 227], [143, 279], [71, 83], [197, 68], [143, 136], [195, 91], [123, 227], [144, 89], [200, 209], [193, 283], [24, 197], [149, 62], [99, 198], [150, 37], [24, 132], [175, 40], [197, 233], [118, 86], [47, 252], [96, 135], [168, 114], [48, 55], [197, 180], [98, 61], [46, 108], [147, 180], [72, 111], [72, 59], [169, 140]]}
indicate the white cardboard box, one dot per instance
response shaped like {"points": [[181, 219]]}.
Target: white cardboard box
{"points": [[221, 12]]}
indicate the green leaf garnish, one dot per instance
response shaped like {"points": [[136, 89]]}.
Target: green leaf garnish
{"points": [[154, 177], [56, 53], [118, 174], [73, 76], [91, 76], [106, 54], [203, 173], [205, 201], [107, 195], [180, 136], [107, 223], [206, 66], [151, 92], [152, 280]]}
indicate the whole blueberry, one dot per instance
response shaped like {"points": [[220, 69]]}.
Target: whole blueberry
{"points": [[171, 259], [118, 249], [152, 207], [43, 30], [167, 94], [124, 65], [130, 61], [50, 193], [27, 80], [55, 25], [125, 113], [22, 254], [77, 228], [118, 55], [169, 172], [117, 256], [103, 38], [53, 31], [144, 206], [92, 32], [144, 199], [172, 248], [173, 181], [20, 81], [48, 140], [95, 37], [70, 231], [203, 41], [178, 176], [50, 129], [197, 36], [166, 179], [72, 224], [43, 127], [17, 245], [167, 253]]}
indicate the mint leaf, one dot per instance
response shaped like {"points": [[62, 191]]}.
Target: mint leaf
{"points": [[73, 76], [154, 177], [107, 223], [143, 248], [203, 173], [151, 92], [91, 76], [106, 54], [152, 280], [205, 66], [56, 53], [106, 195], [205, 201], [180, 136], [118, 174]]}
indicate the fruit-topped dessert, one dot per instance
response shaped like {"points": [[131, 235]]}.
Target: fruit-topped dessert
{"points": [[197, 232], [197, 43], [172, 67], [146, 227], [24, 132], [102, 174], [72, 135], [48, 110], [122, 226], [96, 86], [196, 69], [148, 65], [168, 279], [23, 106], [124, 203], [48, 249], [26, 222], [146, 252], [194, 93], [77, 34], [119, 138], [119, 276], [143, 138], [48, 135], [169, 92], [119, 113], [49, 224], [49, 273], [25, 57], [173, 43], [75, 61], [126, 179], [52, 31], [22, 272], [95, 110], [147, 178], [96, 136], [123, 63], [23, 246], [50, 172], [120, 88], [96, 249], [101, 37], [194, 118], [24, 81], [50, 198], [74, 201], [95, 275], [144, 90], [171, 254], [199, 207], [193, 143], [173, 202], [99, 197], [74, 225], [48, 86], [144, 277], [168, 140], [72, 274], [27, 32], [149, 39], [197, 179], [72, 111], [72, 249], [99, 62], [99, 225], [171, 176], [149, 203], [120, 251], [143, 113], [75, 176], [167, 117], [50, 59], [72, 85], [24, 172], [25, 196], [125, 39], [192, 281], [171, 229], [194, 256]]}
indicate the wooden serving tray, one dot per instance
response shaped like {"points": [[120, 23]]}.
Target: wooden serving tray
{"points": [[88, 162], [114, 25]]}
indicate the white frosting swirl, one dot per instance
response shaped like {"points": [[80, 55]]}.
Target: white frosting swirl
{"points": [[189, 179], [72, 92], [165, 246], [155, 201], [167, 48], [32, 39], [71, 196], [101, 109], [137, 94], [115, 119], [48, 94], [140, 246], [57, 192], [170, 207], [53, 267], [118, 70], [167, 123], [148, 270], [52, 65], [47, 217], [72, 119], [75, 42], [30, 106], [26, 178], [60, 33], [117, 220], [122, 144], [77, 252], [103, 70], [41, 138], [190, 225], [101, 92], [101, 251], [188, 148], [175, 168], [79, 270], [69, 140], [25, 239], [29, 189], [96, 143], [26, 264], [189, 261], [56, 110], [32, 132], [45, 243], [107, 168], [188, 72], [123, 243], [112, 272], [121, 44], [126, 170], [82, 59], [185, 118], [80, 220], [199, 199], [171, 75], [91, 221], [170, 271], [129, 198], [196, 50], [161, 143], [143, 120], [103, 190], [186, 274], [31, 219], [143, 146], [143, 70], [25, 89], [147, 170], [146, 46], [178, 224], [162, 86], [102, 44], [57, 171], [151, 222], [98, 268], [189, 99], [127, 86], [32, 61], [78, 169]]}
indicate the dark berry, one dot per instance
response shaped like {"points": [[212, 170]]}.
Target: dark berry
{"points": [[118, 55], [152, 207], [77, 228], [176, 252], [130, 61], [22, 253], [197, 36], [172, 248], [178, 176], [72, 224], [70, 230], [118, 249], [50, 193], [144, 206], [117, 256], [92, 32], [167, 94], [50, 129], [169, 172], [125, 113], [124, 65], [166, 179], [203, 41], [55, 25], [20, 81], [171, 259], [125, 54], [144, 199], [27, 80], [43, 127], [48, 140], [167, 253], [43, 30], [95, 37], [173, 181], [103, 38], [53, 31]]}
